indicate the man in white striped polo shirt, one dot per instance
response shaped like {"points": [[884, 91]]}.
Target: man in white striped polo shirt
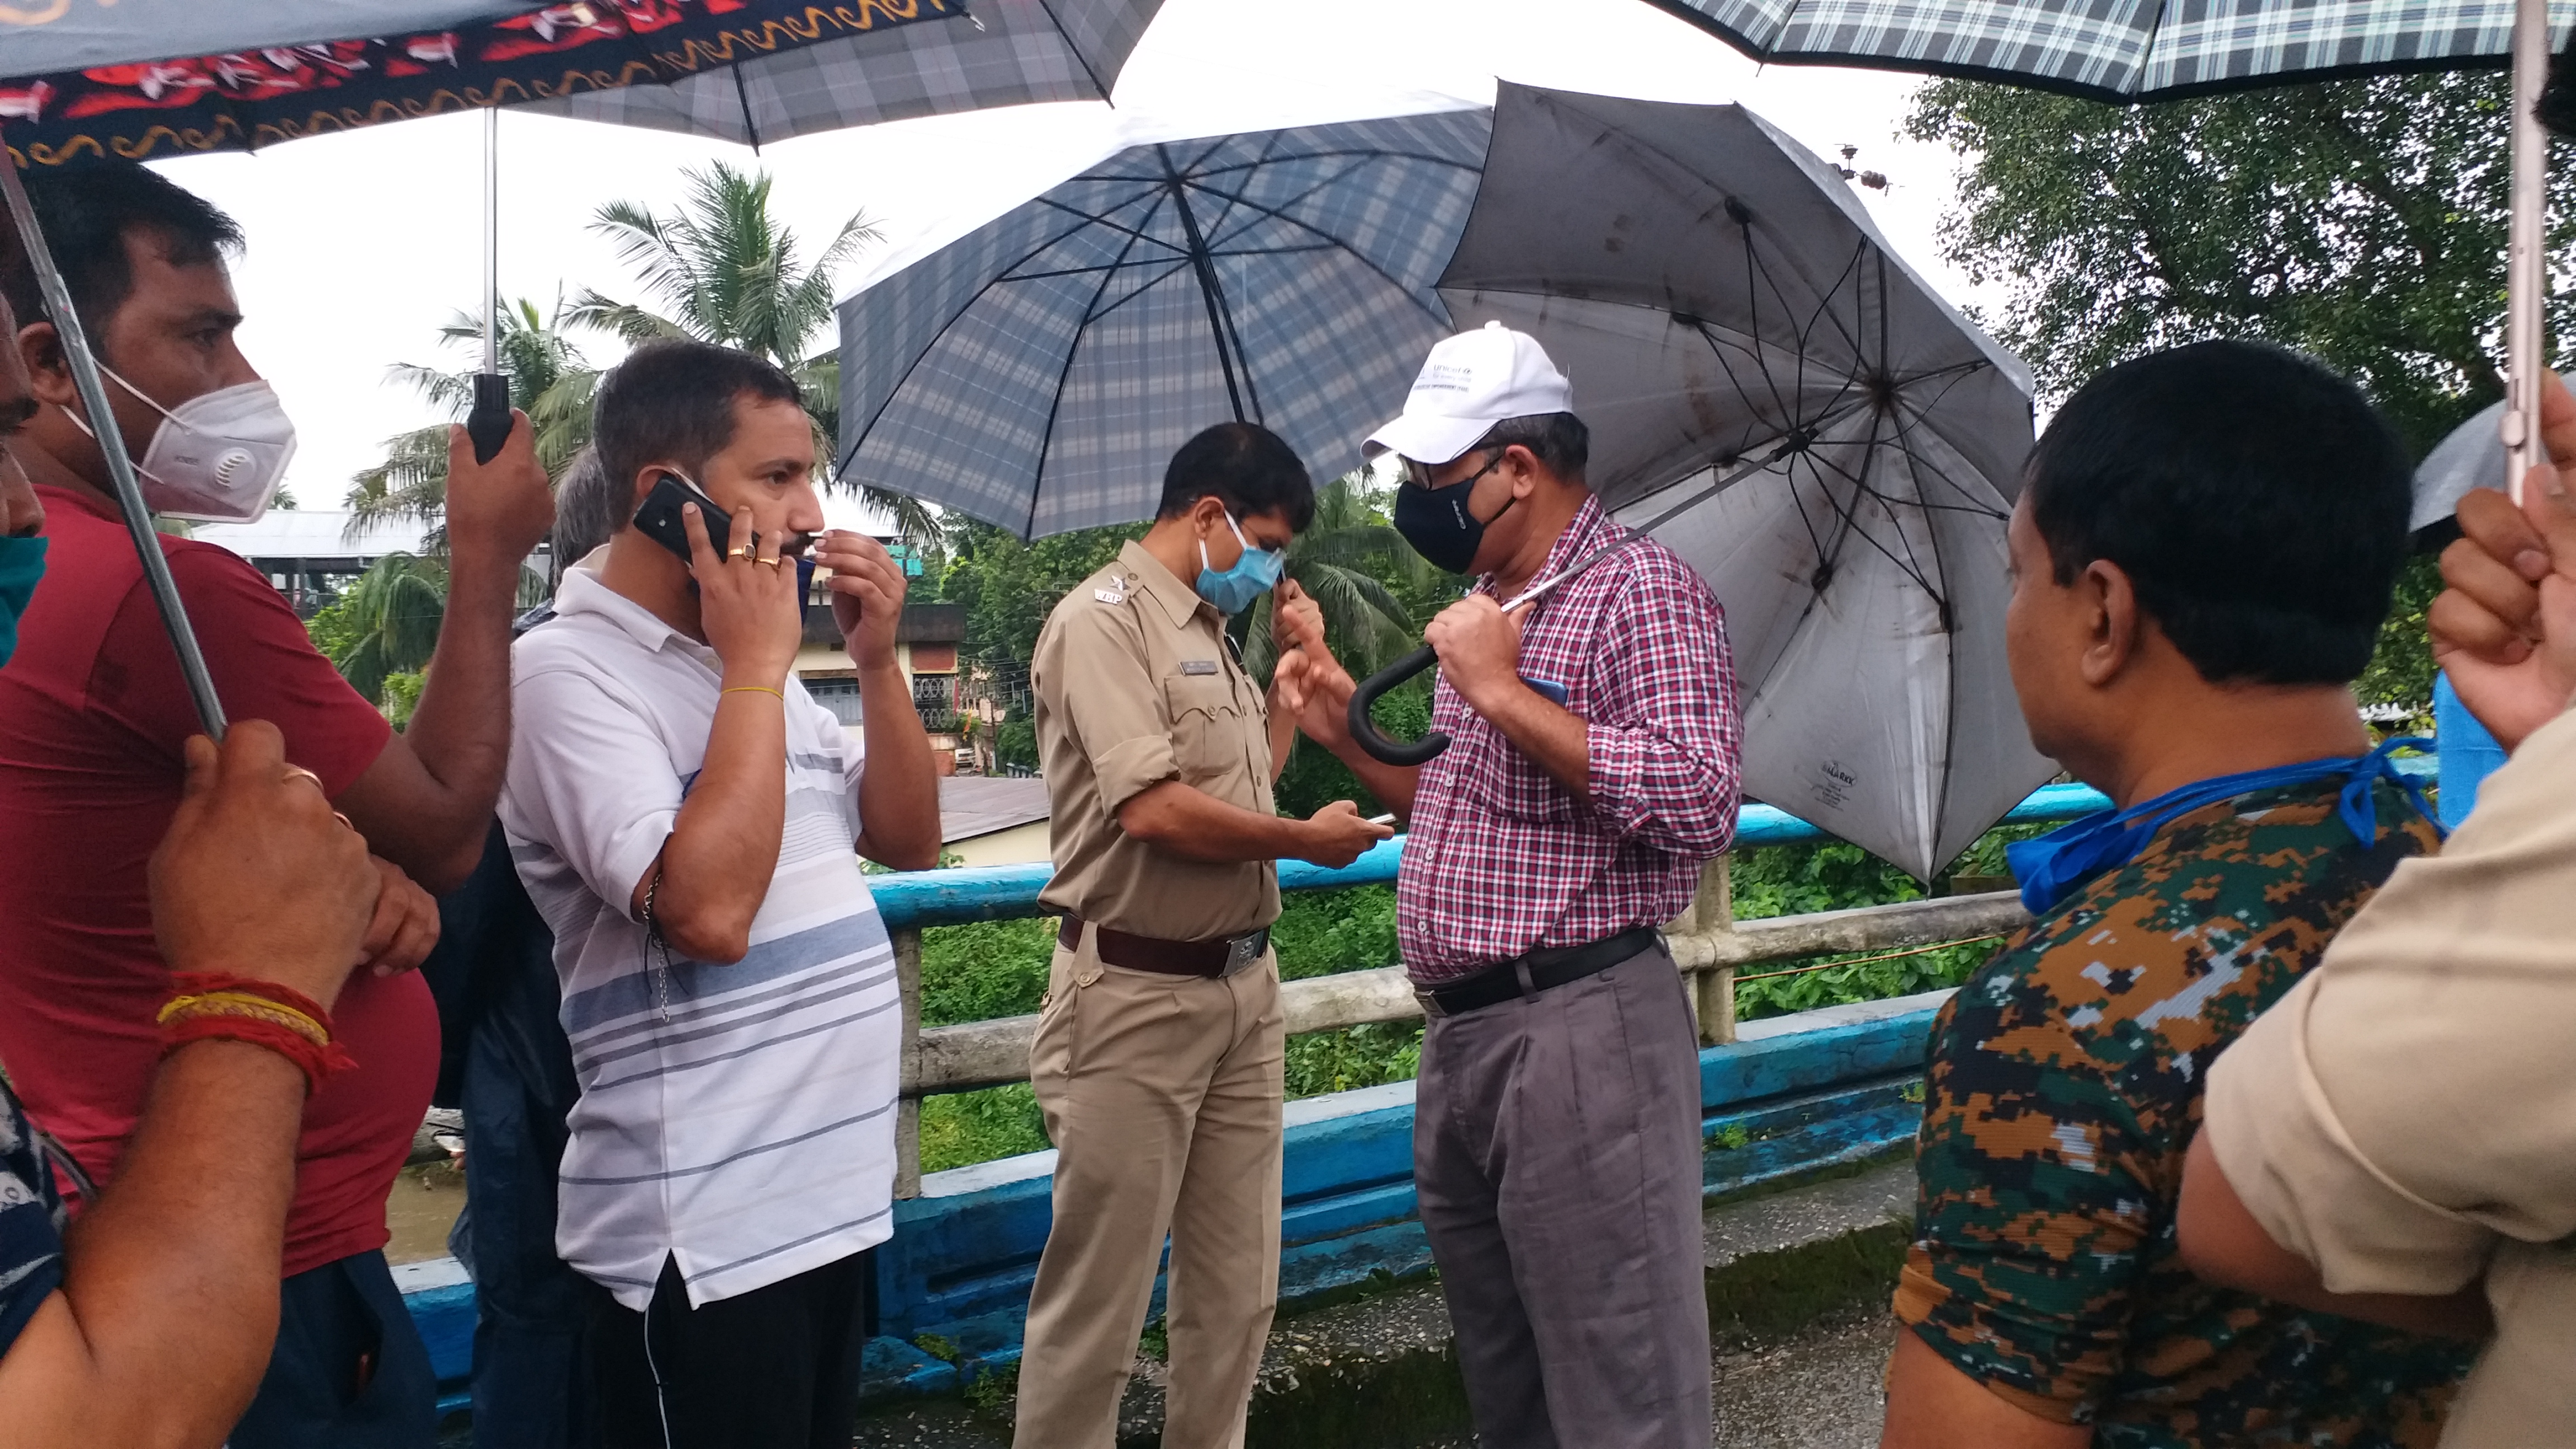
{"points": [[689, 822]]}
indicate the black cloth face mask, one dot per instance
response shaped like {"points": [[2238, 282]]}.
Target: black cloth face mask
{"points": [[1436, 521]]}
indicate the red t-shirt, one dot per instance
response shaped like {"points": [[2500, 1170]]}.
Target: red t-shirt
{"points": [[93, 718]]}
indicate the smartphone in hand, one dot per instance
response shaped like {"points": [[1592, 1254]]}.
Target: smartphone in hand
{"points": [[659, 518]]}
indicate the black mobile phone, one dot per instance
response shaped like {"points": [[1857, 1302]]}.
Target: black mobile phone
{"points": [[659, 519]]}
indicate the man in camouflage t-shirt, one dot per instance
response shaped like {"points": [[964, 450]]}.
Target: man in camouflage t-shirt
{"points": [[2202, 555]]}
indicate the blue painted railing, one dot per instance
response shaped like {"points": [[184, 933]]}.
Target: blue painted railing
{"points": [[913, 899], [1794, 1093]]}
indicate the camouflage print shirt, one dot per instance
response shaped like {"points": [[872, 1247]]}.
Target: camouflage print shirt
{"points": [[2065, 1084]]}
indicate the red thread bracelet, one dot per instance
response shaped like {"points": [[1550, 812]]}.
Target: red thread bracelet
{"points": [[317, 1059]]}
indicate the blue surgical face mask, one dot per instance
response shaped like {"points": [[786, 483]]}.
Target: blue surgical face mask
{"points": [[1253, 575], [22, 562]]}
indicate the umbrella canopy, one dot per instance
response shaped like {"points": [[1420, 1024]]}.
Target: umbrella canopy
{"points": [[2165, 49], [2155, 50], [742, 70], [1719, 298], [1039, 372], [996, 53], [160, 77]]}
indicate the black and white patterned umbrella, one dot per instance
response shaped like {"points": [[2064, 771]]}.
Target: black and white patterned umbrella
{"points": [[1039, 372]]}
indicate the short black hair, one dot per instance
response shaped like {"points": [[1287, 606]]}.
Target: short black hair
{"points": [[1245, 466], [589, 507], [2256, 501], [673, 398], [1559, 440], [87, 210]]}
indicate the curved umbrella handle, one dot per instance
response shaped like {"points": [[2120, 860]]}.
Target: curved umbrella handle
{"points": [[1365, 731], [488, 425]]}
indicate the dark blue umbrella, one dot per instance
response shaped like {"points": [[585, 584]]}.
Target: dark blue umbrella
{"points": [[1039, 372]]}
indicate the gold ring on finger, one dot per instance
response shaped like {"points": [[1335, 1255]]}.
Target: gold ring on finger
{"points": [[298, 772], [772, 562], [742, 550]]}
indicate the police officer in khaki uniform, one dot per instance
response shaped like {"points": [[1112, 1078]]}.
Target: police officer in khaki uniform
{"points": [[1158, 1055]]}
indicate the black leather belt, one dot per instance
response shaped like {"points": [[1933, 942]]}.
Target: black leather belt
{"points": [[1532, 972], [1218, 958]]}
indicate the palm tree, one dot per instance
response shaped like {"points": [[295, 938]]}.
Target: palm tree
{"points": [[1346, 561], [725, 272], [387, 623], [549, 381]]}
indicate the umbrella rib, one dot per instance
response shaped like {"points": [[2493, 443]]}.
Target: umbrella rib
{"points": [[997, 279], [1220, 316], [1055, 403], [1358, 160], [1088, 219], [1851, 519], [1079, 58], [1336, 243], [1922, 464]]}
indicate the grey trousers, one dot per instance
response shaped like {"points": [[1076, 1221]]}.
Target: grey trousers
{"points": [[1556, 1153]]}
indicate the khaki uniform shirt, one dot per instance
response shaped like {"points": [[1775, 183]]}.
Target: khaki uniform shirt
{"points": [[2405, 1118], [1136, 683]]}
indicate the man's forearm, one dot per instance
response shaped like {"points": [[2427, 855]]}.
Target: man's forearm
{"points": [[169, 1298], [898, 790], [724, 843], [2221, 1240], [1194, 825]]}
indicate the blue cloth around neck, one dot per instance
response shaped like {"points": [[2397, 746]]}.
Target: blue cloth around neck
{"points": [[2469, 754], [2051, 867]]}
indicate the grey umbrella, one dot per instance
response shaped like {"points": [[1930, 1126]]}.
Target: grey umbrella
{"points": [[1719, 298], [2471, 457], [1039, 372]]}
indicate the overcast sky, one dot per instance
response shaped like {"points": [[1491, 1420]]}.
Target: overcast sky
{"points": [[361, 245]]}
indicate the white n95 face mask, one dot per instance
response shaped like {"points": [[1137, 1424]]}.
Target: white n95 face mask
{"points": [[218, 457]]}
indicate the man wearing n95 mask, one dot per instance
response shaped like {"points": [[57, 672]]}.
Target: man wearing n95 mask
{"points": [[93, 717]]}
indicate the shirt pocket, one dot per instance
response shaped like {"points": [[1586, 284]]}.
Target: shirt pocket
{"points": [[1511, 784], [1207, 727]]}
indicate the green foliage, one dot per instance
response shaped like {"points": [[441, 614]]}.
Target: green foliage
{"points": [[1783, 880], [1314, 778], [385, 626], [983, 970], [725, 271], [401, 697], [1009, 587], [550, 381], [959, 1129], [2359, 221], [2401, 668]]}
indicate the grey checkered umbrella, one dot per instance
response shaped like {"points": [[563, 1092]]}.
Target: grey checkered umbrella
{"points": [[1738, 333], [2137, 50], [2144, 50], [1039, 372], [986, 53]]}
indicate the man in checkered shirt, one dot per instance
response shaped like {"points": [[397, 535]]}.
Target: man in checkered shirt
{"points": [[1593, 766]]}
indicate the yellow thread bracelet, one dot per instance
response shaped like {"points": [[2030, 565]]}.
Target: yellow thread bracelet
{"points": [[244, 1004], [751, 689]]}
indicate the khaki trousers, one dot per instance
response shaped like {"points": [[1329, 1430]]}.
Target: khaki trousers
{"points": [[1162, 1094]]}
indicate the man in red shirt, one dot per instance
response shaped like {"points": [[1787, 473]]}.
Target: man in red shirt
{"points": [[93, 719]]}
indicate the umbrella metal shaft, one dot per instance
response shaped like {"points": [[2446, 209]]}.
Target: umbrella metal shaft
{"points": [[111, 446], [2526, 279], [491, 239]]}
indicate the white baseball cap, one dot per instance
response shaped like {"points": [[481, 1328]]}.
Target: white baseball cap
{"points": [[1469, 383]]}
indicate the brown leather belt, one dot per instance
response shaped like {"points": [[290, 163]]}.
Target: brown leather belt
{"points": [[1216, 959]]}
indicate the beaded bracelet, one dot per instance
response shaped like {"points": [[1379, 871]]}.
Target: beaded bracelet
{"points": [[207, 1006]]}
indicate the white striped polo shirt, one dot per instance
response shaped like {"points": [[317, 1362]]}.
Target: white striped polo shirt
{"points": [[737, 1118]]}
